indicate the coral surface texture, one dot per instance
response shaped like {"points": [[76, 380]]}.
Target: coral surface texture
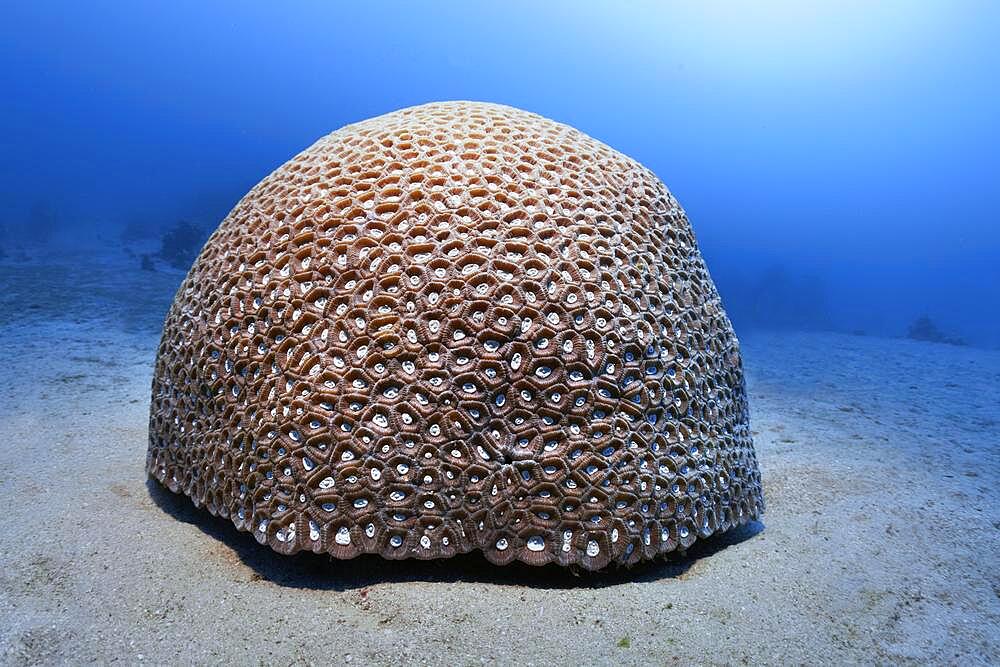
{"points": [[457, 326]]}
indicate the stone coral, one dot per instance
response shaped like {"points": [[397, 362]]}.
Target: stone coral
{"points": [[457, 326]]}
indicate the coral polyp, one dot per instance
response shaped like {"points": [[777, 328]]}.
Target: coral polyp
{"points": [[458, 326]]}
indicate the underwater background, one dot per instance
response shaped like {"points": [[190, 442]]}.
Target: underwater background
{"points": [[840, 166], [840, 162]]}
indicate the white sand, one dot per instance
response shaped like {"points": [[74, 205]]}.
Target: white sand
{"points": [[881, 541]]}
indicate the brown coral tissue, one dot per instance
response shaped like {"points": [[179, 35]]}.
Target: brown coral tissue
{"points": [[457, 326]]}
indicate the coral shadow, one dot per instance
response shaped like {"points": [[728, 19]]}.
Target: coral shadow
{"points": [[319, 572]]}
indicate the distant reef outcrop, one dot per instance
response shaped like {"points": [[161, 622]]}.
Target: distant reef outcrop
{"points": [[923, 328]]}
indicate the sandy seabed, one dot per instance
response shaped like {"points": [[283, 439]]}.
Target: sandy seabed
{"points": [[881, 541]]}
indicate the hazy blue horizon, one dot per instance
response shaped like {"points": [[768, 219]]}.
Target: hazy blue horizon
{"points": [[840, 162]]}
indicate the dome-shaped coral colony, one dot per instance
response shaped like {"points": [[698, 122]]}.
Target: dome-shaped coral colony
{"points": [[457, 326]]}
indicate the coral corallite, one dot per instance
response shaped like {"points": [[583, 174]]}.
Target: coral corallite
{"points": [[457, 326]]}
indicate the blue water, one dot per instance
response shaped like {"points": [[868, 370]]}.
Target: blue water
{"points": [[840, 161]]}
